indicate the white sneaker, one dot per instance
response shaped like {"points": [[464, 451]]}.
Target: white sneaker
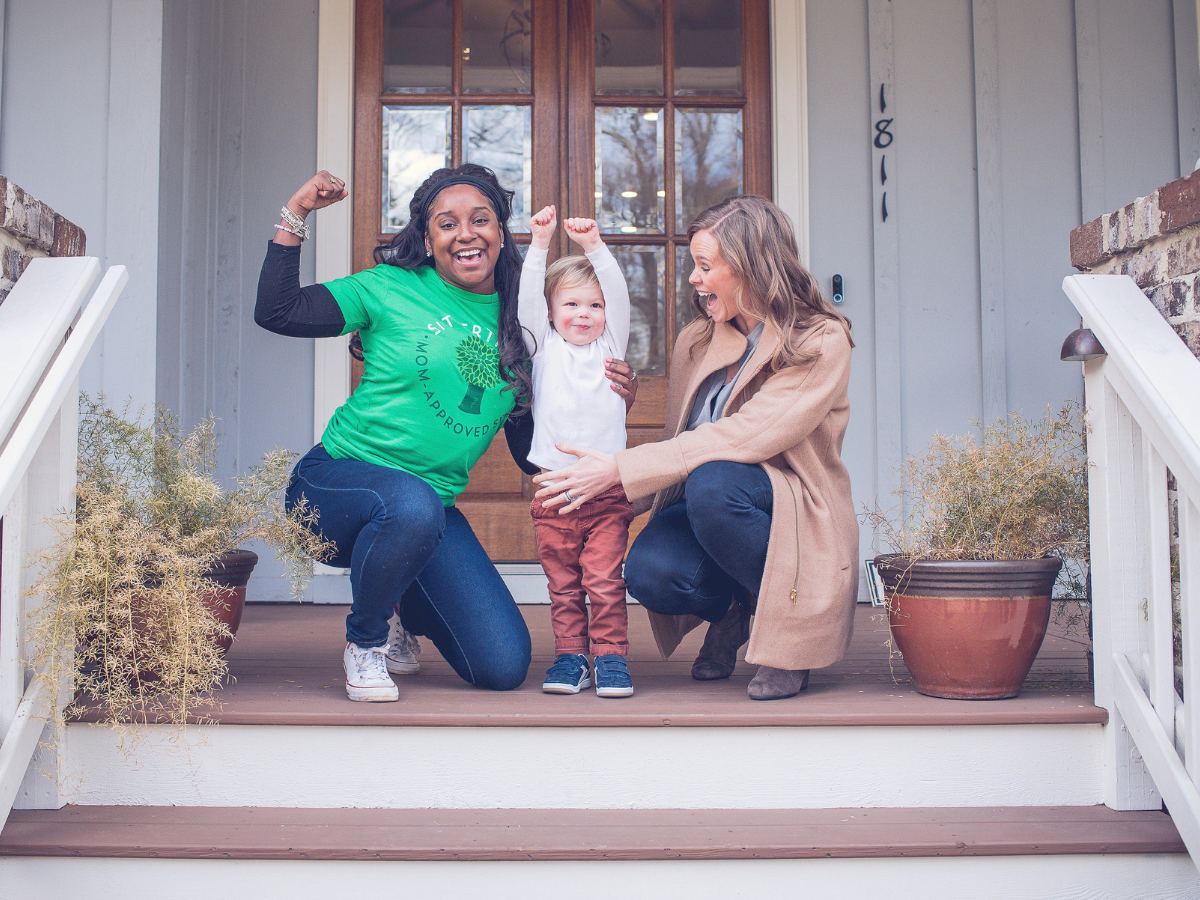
{"points": [[366, 674], [403, 650]]}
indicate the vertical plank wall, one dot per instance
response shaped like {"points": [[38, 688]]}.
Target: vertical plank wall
{"points": [[239, 136], [989, 100], [80, 132]]}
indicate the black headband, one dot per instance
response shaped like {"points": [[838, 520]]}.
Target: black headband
{"points": [[497, 197]]}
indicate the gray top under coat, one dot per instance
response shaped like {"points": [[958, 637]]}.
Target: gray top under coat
{"points": [[714, 392]]}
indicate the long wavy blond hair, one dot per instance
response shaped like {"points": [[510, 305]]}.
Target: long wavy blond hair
{"points": [[756, 238]]}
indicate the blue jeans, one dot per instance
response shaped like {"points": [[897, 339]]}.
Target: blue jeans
{"points": [[404, 549], [693, 556]]}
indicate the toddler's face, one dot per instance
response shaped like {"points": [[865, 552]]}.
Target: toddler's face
{"points": [[577, 313]]}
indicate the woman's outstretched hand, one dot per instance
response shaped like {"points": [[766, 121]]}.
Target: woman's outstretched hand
{"points": [[569, 488], [623, 380]]}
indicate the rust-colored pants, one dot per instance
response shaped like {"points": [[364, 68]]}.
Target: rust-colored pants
{"points": [[582, 553]]}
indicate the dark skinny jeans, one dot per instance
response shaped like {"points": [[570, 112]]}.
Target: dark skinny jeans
{"points": [[693, 555], [404, 548]]}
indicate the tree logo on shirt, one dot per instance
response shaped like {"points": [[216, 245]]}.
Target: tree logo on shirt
{"points": [[480, 366]]}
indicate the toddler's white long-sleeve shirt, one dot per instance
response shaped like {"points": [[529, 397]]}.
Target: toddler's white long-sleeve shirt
{"points": [[573, 401]]}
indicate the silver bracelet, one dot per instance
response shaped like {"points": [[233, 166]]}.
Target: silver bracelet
{"points": [[301, 229], [291, 231]]}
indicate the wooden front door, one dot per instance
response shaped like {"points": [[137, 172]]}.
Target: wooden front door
{"points": [[639, 113]]}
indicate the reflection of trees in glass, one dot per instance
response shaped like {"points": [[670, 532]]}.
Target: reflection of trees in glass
{"points": [[498, 137], [416, 141], [479, 364], [644, 269], [709, 160], [629, 153], [685, 311]]}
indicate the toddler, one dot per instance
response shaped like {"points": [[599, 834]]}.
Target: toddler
{"points": [[588, 321]]}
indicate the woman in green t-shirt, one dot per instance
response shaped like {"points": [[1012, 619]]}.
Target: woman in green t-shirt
{"points": [[444, 366]]}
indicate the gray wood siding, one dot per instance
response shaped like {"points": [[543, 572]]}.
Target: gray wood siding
{"points": [[1027, 140], [80, 132], [238, 137]]}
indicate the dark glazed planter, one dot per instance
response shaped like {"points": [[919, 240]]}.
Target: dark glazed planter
{"points": [[970, 629], [230, 575]]}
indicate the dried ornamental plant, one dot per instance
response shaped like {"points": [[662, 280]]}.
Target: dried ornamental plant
{"points": [[124, 616], [1017, 491]]}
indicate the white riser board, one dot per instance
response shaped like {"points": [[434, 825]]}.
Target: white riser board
{"points": [[587, 768], [1163, 877]]}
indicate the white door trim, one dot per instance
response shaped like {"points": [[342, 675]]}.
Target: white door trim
{"points": [[334, 233], [335, 141], [789, 113]]}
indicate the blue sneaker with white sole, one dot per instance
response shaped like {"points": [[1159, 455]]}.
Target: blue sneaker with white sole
{"points": [[612, 676], [569, 675]]}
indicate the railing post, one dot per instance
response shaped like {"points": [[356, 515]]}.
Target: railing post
{"points": [[1155, 524], [12, 644], [1117, 626], [51, 492], [1189, 602]]}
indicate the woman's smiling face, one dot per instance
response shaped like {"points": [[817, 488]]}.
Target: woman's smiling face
{"points": [[464, 235], [716, 282]]}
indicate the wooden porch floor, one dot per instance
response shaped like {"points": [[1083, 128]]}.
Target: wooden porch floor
{"points": [[286, 670]]}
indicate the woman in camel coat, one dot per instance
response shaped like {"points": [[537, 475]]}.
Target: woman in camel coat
{"points": [[749, 499]]}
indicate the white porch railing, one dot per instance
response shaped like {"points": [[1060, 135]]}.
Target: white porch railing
{"points": [[1143, 404], [43, 342]]}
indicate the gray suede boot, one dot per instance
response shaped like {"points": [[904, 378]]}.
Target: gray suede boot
{"points": [[776, 684], [718, 655]]}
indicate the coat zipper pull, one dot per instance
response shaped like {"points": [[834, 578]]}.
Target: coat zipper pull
{"points": [[793, 596]]}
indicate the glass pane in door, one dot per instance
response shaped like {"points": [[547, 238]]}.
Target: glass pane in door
{"points": [[417, 46], [685, 310], [416, 141], [708, 160], [629, 170], [708, 47], [496, 46], [644, 269], [499, 137], [629, 46]]}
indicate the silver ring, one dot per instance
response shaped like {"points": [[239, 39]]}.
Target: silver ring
{"points": [[633, 376], [567, 494]]}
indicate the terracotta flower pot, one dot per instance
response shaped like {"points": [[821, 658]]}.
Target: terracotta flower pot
{"points": [[227, 598], [969, 629]]}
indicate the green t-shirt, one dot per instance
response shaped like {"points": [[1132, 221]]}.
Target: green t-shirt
{"points": [[431, 398]]}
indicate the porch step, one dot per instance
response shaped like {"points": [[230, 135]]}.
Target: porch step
{"points": [[581, 834], [287, 670], [286, 736]]}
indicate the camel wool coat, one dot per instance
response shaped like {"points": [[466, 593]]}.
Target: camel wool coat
{"points": [[792, 423]]}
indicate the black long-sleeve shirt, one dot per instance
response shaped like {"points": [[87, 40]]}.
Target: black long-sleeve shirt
{"points": [[288, 309]]}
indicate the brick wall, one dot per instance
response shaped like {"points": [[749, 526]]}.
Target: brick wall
{"points": [[1156, 241], [30, 229]]}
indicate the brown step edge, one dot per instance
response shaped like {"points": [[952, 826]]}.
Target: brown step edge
{"points": [[581, 834]]}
